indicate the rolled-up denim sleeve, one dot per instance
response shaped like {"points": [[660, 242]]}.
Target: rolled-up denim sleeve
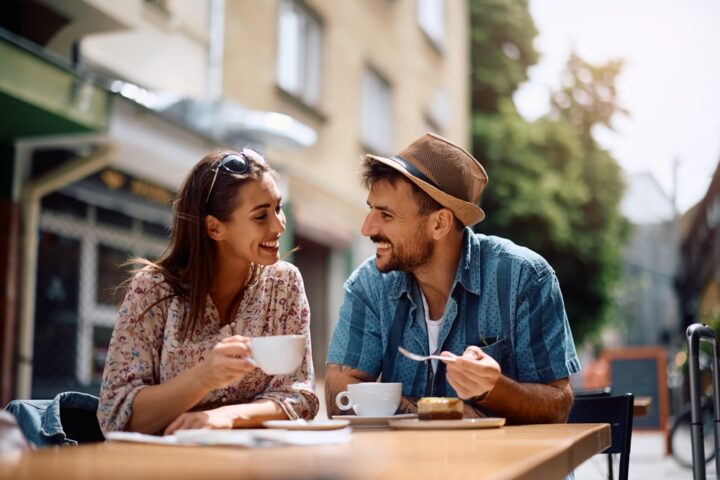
{"points": [[545, 349], [357, 339]]}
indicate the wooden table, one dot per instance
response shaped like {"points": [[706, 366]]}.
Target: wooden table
{"points": [[531, 451], [641, 406]]}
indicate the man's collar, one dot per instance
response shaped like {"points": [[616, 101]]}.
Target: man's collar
{"points": [[401, 284], [468, 271]]}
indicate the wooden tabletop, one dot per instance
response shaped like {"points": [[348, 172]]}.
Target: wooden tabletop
{"points": [[641, 406], [519, 452]]}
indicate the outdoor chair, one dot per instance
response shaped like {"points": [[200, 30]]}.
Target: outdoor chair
{"points": [[618, 412]]}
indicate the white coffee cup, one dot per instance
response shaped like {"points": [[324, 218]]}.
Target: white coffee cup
{"points": [[371, 399], [278, 354]]}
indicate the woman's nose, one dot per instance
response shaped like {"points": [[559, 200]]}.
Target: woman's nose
{"points": [[279, 224]]}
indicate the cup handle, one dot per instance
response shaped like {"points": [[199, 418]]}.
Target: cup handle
{"points": [[339, 401]]}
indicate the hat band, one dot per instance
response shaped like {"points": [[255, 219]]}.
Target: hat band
{"points": [[412, 170]]}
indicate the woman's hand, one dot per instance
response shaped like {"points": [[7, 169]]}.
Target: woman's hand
{"points": [[217, 418], [472, 374], [228, 361]]}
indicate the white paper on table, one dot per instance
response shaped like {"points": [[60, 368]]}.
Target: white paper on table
{"points": [[140, 438], [240, 438]]}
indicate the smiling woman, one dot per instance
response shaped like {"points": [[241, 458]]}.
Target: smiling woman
{"points": [[180, 354]]}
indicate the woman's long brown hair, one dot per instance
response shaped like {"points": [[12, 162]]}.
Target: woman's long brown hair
{"points": [[188, 264]]}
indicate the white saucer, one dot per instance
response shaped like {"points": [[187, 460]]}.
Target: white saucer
{"points": [[306, 425], [416, 424], [374, 421]]}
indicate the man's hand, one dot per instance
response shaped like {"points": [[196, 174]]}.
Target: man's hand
{"points": [[472, 374]]}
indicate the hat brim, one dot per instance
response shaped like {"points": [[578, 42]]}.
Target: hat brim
{"points": [[468, 213]]}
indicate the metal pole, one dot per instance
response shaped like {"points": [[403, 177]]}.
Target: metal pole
{"points": [[695, 333]]}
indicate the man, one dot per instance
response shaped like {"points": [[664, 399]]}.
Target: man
{"points": [[492, 309]]}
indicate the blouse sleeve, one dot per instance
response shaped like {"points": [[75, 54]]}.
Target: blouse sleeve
{"points": [[294, 392], [133, 357]]}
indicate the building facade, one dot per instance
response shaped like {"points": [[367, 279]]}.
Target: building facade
{"points": [[698, 278], [312, 84]]}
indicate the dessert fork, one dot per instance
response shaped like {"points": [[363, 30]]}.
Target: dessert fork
{"points": [[422, 358]]}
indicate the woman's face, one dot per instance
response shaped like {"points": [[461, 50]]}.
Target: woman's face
{"points": [[253, 231]]}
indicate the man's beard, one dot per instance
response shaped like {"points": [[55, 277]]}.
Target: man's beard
{"points": [[405, 259]]}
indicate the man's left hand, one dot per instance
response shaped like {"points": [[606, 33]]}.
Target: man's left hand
{"points": [[472, 374]]}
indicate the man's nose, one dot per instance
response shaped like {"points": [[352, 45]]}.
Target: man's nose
{"points": [[369, 226]]}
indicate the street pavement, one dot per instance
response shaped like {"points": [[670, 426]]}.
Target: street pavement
{"points": [[647, 461]]}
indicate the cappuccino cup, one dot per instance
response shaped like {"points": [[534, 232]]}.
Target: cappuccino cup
{"points": [[278, 354], [371, 399]]}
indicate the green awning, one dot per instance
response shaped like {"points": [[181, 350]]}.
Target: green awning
{"points": [[39, 96]]}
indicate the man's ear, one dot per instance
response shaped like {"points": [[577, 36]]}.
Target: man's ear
{"points": [[214, 228], [443, 222]]}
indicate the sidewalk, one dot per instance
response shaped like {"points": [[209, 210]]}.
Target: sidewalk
{"points": [[647, 461]]}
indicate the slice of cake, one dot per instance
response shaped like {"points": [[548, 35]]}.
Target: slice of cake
{"points": [[440, 408]]}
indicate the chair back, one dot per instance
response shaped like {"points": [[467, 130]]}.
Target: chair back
{"points": [[617, 410]]}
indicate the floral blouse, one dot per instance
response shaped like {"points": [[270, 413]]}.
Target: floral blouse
{"points": [[146, 350]]}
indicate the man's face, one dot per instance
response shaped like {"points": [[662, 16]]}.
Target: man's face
{"points": [[399, 232]]}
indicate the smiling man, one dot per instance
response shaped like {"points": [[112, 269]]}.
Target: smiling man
{"points": [[492, 309]]}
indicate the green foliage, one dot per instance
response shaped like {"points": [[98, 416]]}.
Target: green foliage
{"points": [[502, 34], [552, 188]]}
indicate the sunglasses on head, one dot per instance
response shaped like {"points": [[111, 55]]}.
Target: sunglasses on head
{"points": [[237, 163]]}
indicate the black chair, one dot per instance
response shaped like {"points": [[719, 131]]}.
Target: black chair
{"points": [[618, 412], [593, 392]]}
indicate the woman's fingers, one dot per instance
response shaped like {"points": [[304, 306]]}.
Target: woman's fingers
{"points": [[233, 348], [174, 425]]}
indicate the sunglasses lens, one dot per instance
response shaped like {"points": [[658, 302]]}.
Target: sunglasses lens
{"points": [[235, 164]]}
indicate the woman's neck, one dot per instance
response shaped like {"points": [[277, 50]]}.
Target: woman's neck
{"points": [[230, 281]]}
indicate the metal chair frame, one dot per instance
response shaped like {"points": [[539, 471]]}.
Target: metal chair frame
{"points": [[695, 333]]}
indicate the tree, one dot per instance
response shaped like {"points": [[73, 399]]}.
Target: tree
{"points": [[551, 188]]}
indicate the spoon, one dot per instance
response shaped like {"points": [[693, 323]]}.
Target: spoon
{"points": [[422, 358]]}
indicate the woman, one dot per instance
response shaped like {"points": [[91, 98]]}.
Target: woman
{"points": [[178, 357]]}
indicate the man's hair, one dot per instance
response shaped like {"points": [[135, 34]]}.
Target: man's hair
{"points": [[374, 171]]}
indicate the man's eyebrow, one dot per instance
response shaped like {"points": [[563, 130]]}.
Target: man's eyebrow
{"points": [[382, 208]]}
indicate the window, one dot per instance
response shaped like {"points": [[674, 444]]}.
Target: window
{"points": [[377, 113], [299, 51], [431, 18]]}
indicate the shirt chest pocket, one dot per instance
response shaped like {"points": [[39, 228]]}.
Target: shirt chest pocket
{"points": [[499, 349]]}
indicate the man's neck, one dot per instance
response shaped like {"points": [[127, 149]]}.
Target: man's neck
{"points": [[436, 277]]}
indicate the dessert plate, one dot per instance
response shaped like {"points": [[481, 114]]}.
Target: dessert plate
{"points": [[309, 425], [416, 424], [379, 421]]}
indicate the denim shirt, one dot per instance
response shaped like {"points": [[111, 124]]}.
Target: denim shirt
{"points": [[40, 421], [505, 299]]}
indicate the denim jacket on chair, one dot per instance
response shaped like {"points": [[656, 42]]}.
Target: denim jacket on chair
{"points": [[40, 420]]}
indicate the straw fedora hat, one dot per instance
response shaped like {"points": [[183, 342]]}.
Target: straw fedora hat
{"points": [[445, 171]]}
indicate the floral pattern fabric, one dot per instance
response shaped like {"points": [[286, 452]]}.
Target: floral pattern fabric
{"points": [[146, 349]]}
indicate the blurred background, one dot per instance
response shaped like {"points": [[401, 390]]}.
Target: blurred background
{"points": [[597, 121]]}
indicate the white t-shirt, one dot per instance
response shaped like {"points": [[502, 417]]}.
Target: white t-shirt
{"points": [[433, 329]]}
